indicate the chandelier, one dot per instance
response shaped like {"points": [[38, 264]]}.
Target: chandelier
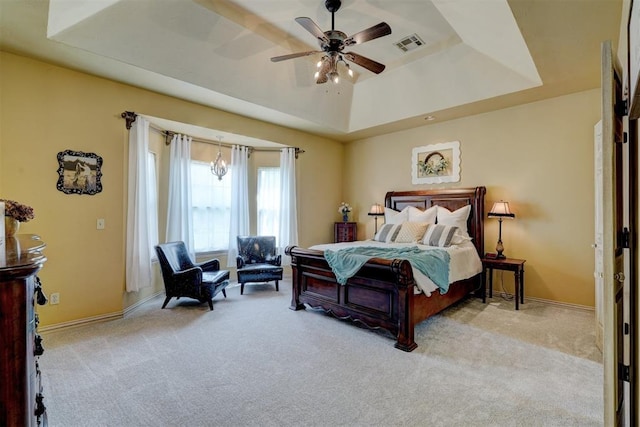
{"points": [[219, 166]]}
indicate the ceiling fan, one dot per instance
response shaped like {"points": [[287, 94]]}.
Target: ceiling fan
{"points": [[332, 44]]}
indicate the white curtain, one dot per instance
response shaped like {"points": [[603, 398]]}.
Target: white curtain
{"points": [[239, 200], [268, 201], [139, 246], [179, 219], [288, 233], [152, 197]]}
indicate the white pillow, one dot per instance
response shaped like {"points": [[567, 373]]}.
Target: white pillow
{"points": [[394, 217], [411, 232], [388, 233], [428, 215], [442, 235], [457, 218]]}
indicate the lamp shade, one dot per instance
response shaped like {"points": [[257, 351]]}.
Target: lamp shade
{"points": [[501, 210], [376, 209]]}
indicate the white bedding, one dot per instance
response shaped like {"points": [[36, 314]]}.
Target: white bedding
{"points": [[465, 262]]}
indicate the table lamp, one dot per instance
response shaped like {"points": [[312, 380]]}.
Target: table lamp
{"points": [[376, 210], [500, 210]]}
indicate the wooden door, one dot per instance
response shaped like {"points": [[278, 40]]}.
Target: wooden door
{"points": [[613, 238], [598, 274]]}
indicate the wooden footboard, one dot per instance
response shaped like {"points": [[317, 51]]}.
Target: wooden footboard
{"points": [[381, 294], [378, 296]]}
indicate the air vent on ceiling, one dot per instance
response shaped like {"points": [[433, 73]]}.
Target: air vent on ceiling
{"points": [[410, 43]]}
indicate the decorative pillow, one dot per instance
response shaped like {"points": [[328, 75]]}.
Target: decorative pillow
{"points": [[394, 217], [428, 215], [411, 232], [388, 233], [457, 218], [441, 235]]}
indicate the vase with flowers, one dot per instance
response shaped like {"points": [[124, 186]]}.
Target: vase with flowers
{"points": [[14, 214], [344, 209]]}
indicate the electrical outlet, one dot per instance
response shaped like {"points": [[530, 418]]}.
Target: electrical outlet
{"points": [[100, 224], [54, 298]]}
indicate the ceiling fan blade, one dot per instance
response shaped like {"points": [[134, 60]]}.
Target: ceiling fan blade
{"points": [[293, 55], [380, 30], [313, 28], [365, 62]]}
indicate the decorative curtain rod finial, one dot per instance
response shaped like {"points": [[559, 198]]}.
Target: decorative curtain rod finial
{"points": [[168, 137], [130, 117]]}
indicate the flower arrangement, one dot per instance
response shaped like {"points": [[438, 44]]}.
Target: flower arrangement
{"points": [[17, 211], [433, 166], [344, 208]]}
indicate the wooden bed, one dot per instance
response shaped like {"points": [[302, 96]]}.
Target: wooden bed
{"points": [[381, 294]]}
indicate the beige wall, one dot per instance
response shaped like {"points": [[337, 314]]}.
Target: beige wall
{"points": [[538, 157], [46, 109]]}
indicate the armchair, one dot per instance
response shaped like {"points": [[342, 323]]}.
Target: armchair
{"points": [[257, 260], [184, 278]]}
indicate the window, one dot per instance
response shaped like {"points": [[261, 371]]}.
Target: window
{"points": [[268, 201], [152, 202], [211, 202]]}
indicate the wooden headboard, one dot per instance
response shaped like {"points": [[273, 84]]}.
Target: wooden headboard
{"points": [[450, 198]]}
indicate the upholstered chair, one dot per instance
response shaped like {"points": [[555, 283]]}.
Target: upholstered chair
{"points": [[184, 278], [257, 260]]}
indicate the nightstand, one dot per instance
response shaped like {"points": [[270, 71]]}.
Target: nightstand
{"points": [[344, 231], [508, 264]]}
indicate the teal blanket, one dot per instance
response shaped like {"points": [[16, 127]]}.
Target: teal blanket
{"points": [[433, 263]]}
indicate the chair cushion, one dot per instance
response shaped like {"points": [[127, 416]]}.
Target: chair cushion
{"points": [[259, 273], [215, 277], [260, 268]]}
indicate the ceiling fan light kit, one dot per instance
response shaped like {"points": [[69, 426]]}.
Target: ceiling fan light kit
{"points": [[332, 44]]}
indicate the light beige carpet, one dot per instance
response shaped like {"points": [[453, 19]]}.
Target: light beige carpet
{"points": [[254, 362]]}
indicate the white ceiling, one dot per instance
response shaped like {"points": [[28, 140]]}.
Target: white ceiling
{"points": [[478, 55]]}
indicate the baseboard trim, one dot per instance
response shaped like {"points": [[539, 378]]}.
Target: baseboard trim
{"points": [[81, 322], [135, 306], [561, 304], [98, 319]]}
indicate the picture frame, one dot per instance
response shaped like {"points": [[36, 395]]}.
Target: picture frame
{"points": [[436, 163], [633, 40], [79, 172]]}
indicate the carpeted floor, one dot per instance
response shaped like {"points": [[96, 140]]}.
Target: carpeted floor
{"points": [[254, 362]]}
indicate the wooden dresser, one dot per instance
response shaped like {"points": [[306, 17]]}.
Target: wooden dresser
{"points": [[21, 400], [345, 231]]}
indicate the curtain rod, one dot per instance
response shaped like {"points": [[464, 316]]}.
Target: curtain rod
{"points": [[168, 136], [130, 117]]}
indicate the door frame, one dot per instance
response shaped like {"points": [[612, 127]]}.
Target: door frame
{"points": [[613, 153]]}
